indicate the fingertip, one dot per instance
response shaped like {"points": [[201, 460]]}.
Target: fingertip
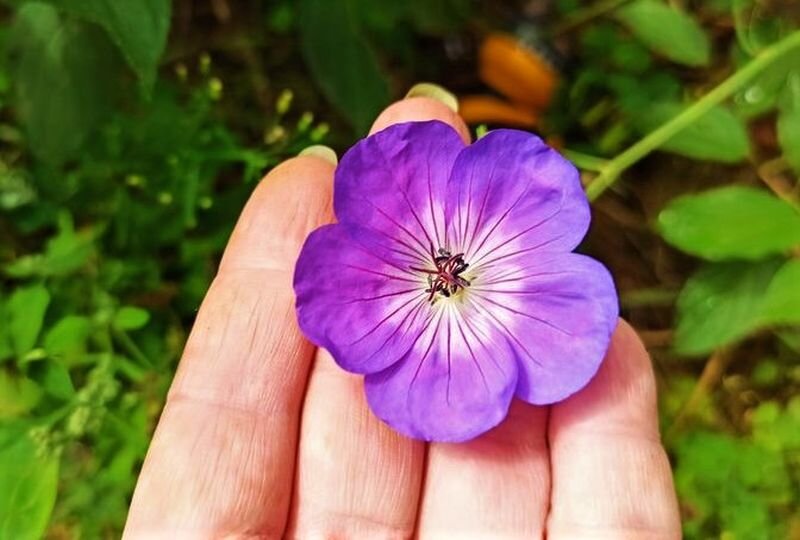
{"points": [[417, 109], [293, 199]]}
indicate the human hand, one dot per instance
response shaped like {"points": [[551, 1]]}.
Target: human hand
{"points": [[263, 436]]}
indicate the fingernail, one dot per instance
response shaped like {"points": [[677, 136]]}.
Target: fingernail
{"points": [[434, 91], [321, 151]]}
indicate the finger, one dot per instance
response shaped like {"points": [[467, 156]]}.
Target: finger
{"points": [[496, 486], [222, 458], [357, 478], [611, 476]]}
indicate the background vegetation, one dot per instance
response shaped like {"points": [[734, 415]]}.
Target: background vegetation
{"points": [[132, 132]]}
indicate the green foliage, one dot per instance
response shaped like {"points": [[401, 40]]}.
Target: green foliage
{"points": [[342, 61], [668, 31], [742, 487], [731, 222], [114, 208], [61, 76], [29, 478], [25, 315], [782, 298], [789, 122], [720, 304], [718, 135], [138, 28]]}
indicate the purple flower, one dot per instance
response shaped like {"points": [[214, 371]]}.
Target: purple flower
{"points": [[449, 280]]}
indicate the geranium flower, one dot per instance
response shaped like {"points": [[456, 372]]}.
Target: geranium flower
{"points": [[449, 281]]}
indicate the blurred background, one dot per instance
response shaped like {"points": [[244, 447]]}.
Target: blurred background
{"points": [[131, 133]]}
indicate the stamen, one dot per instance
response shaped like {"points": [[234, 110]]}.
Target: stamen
{"points": [[445, 279]]}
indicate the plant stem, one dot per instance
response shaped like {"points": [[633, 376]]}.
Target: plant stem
{"points": [[586, 14], [712, 374], [584, 161], [666, 131], [130, 346]]}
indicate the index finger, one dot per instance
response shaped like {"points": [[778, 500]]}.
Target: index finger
{"points": [[222, 458]]}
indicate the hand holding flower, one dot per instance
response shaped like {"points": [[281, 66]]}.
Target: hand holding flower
{"points": [[264, 436]]}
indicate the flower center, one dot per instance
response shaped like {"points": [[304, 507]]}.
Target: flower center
{"points": [[445, 280]]}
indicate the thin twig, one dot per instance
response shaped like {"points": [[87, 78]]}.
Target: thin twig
{"points": [[672, 127], [712, 373]]}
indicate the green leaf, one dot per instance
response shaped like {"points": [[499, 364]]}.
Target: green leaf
{"points": [[56, 380], [131, 318], [64, 253], [67, 338], [782, 299], [789, 122], [18, 395], [718, 135], [139, 28], [730, 222], [720, 304], [667, 31], [341, 60], [30, 484], [25, 313], [62, 76]]}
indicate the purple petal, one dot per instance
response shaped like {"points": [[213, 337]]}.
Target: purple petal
{"points": [[455, 383], [509, 193], [559, 311], [394, 183], [356, 297]]}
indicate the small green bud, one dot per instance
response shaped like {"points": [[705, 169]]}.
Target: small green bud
{"points": [[274, 135], [204, 63], [181, 71], [319, 132], [165, 198], [135, 180], [215, 88], [78, 421], [306, 119], [284, 101], [205, 202]]}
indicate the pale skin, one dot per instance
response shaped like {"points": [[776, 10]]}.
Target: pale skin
{"points": [[263, 436]]}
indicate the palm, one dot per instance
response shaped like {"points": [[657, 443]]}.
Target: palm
{"points": [[263, 436]]}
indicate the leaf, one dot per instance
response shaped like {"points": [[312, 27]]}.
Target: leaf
{"points": [[730, 222], [789, 123], [18, 395], [25, 313], [341, 60], [56, 380], [30, 485], [720, 304], [667, 31], [139, 28], [718, 135], [67, 338], [62, 76], [131, 318], [64, 253], [782, 299]]}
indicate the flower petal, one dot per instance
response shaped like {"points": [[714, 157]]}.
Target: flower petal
{"points": [[559, 312], [455, 383], [394, 182], [356, 297], [508, 193]]}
